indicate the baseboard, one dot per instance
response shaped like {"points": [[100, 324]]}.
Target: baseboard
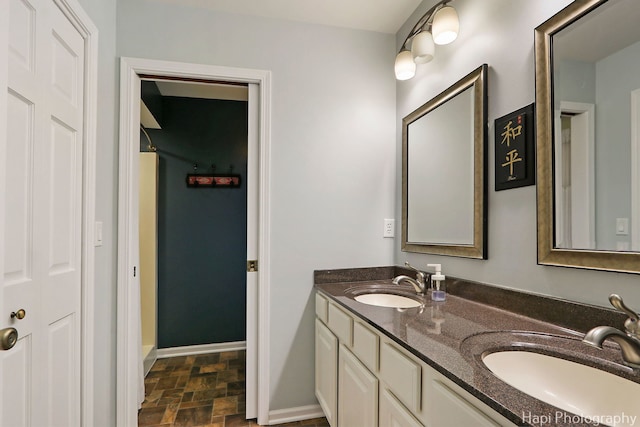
{"points": [[150, 354], [281, 416], [189, 350]]}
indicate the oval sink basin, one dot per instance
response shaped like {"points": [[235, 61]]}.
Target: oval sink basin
{"points": [[387, 300], [575, 388]]}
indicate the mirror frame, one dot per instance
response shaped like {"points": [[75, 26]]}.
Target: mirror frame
{"points": [[548, 254], [477, 80]]}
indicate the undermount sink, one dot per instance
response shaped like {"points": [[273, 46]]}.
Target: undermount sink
{"points": [[573, 387], [387, 300]]}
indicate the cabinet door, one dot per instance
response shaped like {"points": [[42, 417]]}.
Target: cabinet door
{"points": [[449, 409], [357, 392], [402, 374], [393, 413], [327, 372]]}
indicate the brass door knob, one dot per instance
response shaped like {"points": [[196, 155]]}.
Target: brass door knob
{"points": [[18, 314], [8, 338]]}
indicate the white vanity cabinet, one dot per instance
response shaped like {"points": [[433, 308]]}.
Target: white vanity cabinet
{"points": [[364, 378]]}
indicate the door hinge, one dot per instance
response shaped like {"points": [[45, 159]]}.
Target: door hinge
{"points": [[134, 271], [252, 265]]}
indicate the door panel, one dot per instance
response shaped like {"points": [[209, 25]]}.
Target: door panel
{"points": [[61, 367], [22, 33], [62, 238], [16, 383], [18, 236]]}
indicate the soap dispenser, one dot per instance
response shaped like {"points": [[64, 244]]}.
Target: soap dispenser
{"points": [[437, 283]]}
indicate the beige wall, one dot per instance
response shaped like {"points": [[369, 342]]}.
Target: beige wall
{"points": [[148, 247]]}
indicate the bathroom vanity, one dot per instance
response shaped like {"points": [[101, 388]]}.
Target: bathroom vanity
{"points": [[422, 366]]}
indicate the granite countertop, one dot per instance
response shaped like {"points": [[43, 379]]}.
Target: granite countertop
{"points": [[451, 337]]}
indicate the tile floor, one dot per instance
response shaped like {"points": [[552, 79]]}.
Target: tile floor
{"points": [[202, 390]]}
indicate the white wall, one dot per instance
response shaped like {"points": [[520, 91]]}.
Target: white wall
{"points": [[333, 119], [616, 78], [103, 15], [500, 33]]}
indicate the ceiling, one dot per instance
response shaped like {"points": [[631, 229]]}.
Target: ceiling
{"points": [[385, 16]]}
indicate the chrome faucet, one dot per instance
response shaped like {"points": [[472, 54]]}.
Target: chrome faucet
{"points": [[629, 341], [419, 283]]}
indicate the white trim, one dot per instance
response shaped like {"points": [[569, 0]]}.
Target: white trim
{"points": [[264, 251], [149, 359], [130, 68], [635, 170], [192, 350], [89, 32], [126, 368], [282, 416], [4, 84]]}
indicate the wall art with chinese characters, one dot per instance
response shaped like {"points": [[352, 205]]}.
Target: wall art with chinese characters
{"points": [[515, 149]]}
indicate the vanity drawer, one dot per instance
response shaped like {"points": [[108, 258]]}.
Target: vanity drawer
{"points": [[402, 375], [340, 324], [322, 306], [366, 345]]}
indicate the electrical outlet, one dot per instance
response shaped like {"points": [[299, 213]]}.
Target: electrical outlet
{"points": [[389, 228]]}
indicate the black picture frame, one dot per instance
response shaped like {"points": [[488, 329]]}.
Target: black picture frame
{"points": [[515, 149]]}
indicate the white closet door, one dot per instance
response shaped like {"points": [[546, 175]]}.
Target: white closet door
{"points": [[41, 218], [253, 190]]}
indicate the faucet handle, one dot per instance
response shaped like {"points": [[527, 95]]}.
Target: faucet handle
{"points": [[420, 276], [632, 324]]}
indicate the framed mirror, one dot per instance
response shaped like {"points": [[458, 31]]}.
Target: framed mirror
{"points": [[444, 168], [588, 136]]}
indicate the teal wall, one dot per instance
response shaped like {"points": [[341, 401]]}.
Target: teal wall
{"points": [[202, 239]]}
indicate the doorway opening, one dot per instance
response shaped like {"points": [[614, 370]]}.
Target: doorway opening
{"points": [[193, 235], [574, 164], [130, 388]]}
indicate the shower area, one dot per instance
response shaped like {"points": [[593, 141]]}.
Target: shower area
{"points": [[193, 217]]}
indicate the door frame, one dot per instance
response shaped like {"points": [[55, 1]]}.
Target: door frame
{"points": [[89, 32], [585, 169], [127, 366]]}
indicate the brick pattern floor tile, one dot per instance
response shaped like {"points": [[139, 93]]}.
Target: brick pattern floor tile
{"points": [[203, 390]]}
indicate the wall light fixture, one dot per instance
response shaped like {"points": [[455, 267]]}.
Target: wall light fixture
{"points": [[440, 25]]}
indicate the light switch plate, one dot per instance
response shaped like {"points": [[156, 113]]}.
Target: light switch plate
{"points": [[622, 226]]}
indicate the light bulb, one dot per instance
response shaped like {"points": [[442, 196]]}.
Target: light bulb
{"points": [[445, 25], [422, 47], [405, 67]]}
